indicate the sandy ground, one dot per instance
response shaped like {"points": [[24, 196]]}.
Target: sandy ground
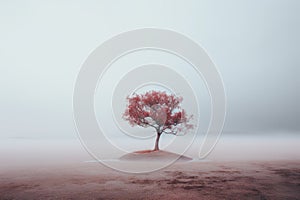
{"points": [[194, 180], [63, 173]]}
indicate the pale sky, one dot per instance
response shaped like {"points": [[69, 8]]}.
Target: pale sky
{"points": [[255, 45]]}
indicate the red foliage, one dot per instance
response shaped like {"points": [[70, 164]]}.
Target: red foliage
{"points": [[159, 110]]}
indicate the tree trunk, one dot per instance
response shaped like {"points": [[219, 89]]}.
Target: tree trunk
{"points": [[156, 148]]}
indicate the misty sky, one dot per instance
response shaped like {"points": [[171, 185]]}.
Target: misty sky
{"points": [[255, 45]]}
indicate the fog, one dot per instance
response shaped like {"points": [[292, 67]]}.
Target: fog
{"points": [[254, 44]]}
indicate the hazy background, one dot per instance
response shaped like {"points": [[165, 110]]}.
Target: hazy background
{"points": [[254, 43]]}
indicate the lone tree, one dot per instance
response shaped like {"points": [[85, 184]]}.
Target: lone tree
{"points": [[159, 110]]}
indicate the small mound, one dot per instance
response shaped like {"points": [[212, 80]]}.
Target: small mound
{"points": [[151, 155]]}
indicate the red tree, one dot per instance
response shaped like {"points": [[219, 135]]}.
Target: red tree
{"points": [[159, 110]]}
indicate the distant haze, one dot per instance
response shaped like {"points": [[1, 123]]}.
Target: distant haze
{"points": [[255, 45]]}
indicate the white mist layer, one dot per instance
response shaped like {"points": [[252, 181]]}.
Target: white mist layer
{"points": [[23, 153]]}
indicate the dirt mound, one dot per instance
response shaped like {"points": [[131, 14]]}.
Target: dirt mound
{"points": [[150, 155]]}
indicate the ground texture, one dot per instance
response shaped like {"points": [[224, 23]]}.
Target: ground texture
{"points": [[188, 180]]}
